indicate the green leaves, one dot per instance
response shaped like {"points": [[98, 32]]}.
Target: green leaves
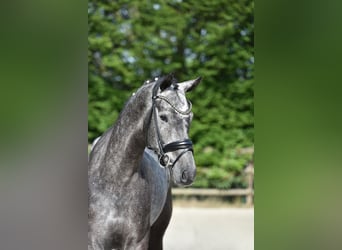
{"points": [[131, 41]]}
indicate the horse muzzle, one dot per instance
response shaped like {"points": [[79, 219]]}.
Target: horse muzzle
{"points": [[187, 177]]}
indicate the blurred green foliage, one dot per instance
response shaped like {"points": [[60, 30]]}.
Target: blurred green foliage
{"points": [[131, 41]]}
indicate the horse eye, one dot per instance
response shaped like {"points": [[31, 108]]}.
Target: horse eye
{"points": [[163, 118]]}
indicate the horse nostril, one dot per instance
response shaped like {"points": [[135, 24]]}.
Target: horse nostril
{"points": [[185, 176]]}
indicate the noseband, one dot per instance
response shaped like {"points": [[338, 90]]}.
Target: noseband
{"points": [[185, 144]]}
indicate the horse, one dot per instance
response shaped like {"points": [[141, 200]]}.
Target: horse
{"points": [[132, 166]]}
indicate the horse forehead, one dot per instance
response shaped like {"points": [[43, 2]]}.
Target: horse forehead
{"points": [[177, 98]]}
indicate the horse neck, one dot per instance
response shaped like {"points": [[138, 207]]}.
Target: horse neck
{"points": [[128, 139]]}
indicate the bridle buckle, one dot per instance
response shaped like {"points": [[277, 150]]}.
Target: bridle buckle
{"points": [[164, 160]]}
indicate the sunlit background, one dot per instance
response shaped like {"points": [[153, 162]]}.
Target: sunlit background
{"points": [[131, 41]]}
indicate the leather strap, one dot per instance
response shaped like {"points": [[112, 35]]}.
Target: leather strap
{"points": [[185, 144], [173, 146]]}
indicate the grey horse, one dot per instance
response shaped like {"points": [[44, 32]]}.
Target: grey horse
{"points": [[132, 165]]}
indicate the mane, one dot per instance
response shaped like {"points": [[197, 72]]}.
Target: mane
{"points": [[149, 83], [170, 78]]}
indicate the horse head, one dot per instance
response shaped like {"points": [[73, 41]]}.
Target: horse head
{"points": [[169, 125]]}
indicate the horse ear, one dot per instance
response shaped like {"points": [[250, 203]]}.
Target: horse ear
{"points": [[166, 81], [189, 85]]}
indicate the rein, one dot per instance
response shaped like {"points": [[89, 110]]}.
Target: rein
{"points": [[185, 144]]}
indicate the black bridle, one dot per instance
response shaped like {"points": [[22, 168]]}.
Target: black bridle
{"points": [[185, 144]]}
